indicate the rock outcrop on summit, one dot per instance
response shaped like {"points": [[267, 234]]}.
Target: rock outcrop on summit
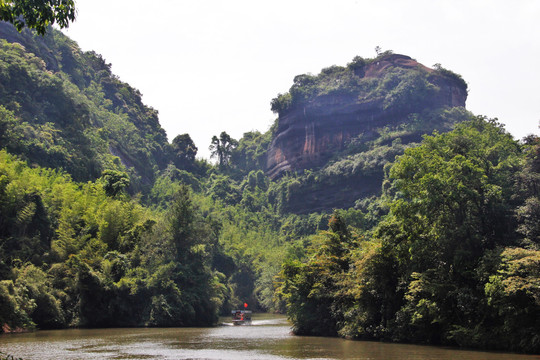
{"points": [[321, 114]]}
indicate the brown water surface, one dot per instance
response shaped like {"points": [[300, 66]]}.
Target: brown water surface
{"points": [[267, 338]]}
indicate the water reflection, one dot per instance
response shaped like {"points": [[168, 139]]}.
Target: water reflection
{"points": [[267, 338]]}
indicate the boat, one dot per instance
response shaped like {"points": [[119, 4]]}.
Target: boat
{"points": [[241, 317]]}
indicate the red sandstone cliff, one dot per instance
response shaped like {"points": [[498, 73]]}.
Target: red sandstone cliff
{"points": [[377, 93]]}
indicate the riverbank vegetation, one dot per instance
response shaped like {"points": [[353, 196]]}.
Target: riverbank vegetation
{"points": [[455, 260], [72, 255]]}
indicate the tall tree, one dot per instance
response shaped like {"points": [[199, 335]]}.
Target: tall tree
{"points": [[181, 219], [184, 150], [222, 148], [528, 188]]}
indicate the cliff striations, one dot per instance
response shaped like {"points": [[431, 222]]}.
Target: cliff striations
{"points": [[322, 114]]}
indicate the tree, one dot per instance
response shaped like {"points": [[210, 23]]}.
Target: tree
{"points": [[114, 182], [314, 291], [181, 217], [442, 266], [191, 293], [514, 295], [38, 14], [222, 148], [453, 208], [184, 150], [528, 188]]}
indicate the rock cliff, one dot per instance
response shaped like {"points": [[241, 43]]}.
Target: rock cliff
{"points": [[322, 114]]}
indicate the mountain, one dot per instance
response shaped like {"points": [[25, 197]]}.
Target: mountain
{"points": [[64, 108], [341, 126]]}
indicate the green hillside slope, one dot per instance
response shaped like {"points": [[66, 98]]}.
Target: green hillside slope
{"points": [[63, 108]]}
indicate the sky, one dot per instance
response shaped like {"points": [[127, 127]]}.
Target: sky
{"points": [[210, 66]]}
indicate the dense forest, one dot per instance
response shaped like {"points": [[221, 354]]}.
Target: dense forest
{"points": [[101, 215], [104, 223], [454, 261]]}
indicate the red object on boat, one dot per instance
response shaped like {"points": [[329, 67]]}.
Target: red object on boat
{"points": [[241, 317]]}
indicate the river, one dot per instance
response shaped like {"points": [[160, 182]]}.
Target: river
{"points": [[267, 338]]}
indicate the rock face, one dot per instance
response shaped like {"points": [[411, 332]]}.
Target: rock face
{"points": [[377, 93]]}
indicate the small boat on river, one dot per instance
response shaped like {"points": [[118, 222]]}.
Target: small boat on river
{"points": [[241, 317]]}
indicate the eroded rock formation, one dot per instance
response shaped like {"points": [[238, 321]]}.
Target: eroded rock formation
{"points": [[384, 91]]}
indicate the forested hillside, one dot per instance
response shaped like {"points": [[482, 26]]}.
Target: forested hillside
{"points": [[100, 214], [63, 108], [393, 234]]}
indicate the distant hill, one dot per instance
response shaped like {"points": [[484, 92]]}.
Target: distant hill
{"points": [[64, 108], [337, 129]]}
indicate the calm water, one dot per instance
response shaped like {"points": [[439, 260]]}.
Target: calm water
{"points": [[267, 338]]}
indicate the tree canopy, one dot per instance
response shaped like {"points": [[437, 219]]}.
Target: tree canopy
{"points": [[38, 15], [222, 148], [184, 150], [449, 264]]}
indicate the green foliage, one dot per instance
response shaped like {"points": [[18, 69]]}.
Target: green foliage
{"points": [[115, 182], [405, 89], [15, 306], [250, 154], [453, 200], [222, 148], [528, 188], [444, 266], [513, 294], [168, 183], [281, 103], [38, 15], [37, 286], [449, 73], [63, 108], [79, 257], [184, 150], [224, 189], [310, 289], [399, 88]]}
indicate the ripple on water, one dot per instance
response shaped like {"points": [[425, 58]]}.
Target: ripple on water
{"points": [[207, 354]]}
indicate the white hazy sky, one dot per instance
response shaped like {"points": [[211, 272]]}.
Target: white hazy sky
{"points": [[211, 65]]}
